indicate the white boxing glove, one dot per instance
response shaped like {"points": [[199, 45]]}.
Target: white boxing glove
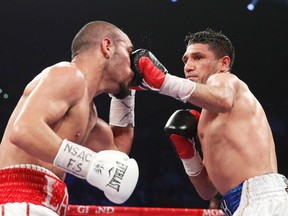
{"points": [[111, 171], [114, 173]]}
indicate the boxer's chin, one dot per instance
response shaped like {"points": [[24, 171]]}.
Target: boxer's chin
{"points": [[123, 92]]}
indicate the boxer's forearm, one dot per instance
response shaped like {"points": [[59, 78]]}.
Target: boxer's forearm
{"points": [[123, 137], [203, 185]]}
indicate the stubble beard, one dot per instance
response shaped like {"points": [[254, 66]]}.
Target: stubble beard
{"points": [[123, 92]]}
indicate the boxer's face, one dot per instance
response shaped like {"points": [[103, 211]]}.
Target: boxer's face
{"points": [[200, 62], [122, 66]]}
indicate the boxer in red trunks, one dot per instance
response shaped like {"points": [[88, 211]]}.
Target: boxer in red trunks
{"points": [[55, 127]]}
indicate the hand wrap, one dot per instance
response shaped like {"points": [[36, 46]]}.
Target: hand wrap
{"points": [[122, 111]]}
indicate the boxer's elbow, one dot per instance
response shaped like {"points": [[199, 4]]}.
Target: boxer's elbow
{"points": [[206, 191], [203, 185], [207, 195], [19, 134]]}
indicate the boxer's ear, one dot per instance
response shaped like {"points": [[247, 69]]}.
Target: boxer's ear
{"points": [[225, 63], [106, 47]]}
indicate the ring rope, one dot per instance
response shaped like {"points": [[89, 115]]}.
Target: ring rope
{"points": [[78, 210]]}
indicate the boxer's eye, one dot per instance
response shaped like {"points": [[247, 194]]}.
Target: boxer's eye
{"points": [[198, 57]]}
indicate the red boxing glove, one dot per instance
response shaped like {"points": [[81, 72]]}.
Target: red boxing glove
{"points": [[150, 74], [184, 147], [182, 129]]}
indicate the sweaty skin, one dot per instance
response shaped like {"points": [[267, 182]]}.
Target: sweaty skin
{"points": [[234, 133], [58, 104]]}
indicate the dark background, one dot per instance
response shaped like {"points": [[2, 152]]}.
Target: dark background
{"points": [[37, 33]]}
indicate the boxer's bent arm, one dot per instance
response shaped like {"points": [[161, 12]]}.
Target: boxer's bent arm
{"points": [[43, 105], [122, 121], [203, 185], [105, 137], [123, 137]]}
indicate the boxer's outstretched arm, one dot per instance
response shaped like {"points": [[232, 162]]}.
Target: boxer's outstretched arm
{"points": [[218, 96]]}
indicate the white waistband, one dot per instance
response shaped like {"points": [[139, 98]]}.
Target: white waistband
{"points": [[266, 186]]}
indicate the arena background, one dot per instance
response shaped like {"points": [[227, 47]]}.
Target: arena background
{"points": [[37, 33]]}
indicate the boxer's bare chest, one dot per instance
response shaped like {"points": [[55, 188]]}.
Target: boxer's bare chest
{"points": [[79, 122]]}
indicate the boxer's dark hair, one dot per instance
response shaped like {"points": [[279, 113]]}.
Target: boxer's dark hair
{"points": [[217, 42]]}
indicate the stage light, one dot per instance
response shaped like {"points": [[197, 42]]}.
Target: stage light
{"points": [[5, 96], [251, 6]]}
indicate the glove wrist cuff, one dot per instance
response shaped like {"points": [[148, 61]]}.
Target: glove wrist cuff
{"points": [[74, 159], [194, 165], [177, 87], [122, 111]]}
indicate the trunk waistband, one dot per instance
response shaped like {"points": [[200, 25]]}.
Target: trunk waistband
{"points": [[230, 202], [33, 184], [255, 190]]}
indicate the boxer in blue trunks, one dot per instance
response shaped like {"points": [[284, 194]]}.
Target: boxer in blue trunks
{"points": [[239, 159]]}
